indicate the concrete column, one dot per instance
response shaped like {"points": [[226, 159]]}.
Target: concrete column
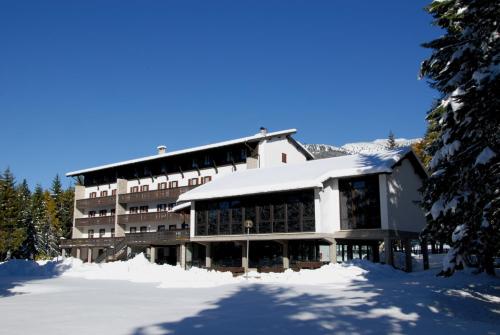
{"points": [[63, 253], [208, 256], [244, 260], [408, 262], [78, 253], [286, 256], [425, 254], [89, 255], [389, 259], [349, 252], [333, 252], [182, 249], [152, 255]]}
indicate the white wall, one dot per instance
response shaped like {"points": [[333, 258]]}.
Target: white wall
{"points": [[329, 208], [105, 187], [270, 151], [402, 188]]}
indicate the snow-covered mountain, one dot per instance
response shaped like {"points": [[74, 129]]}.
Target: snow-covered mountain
{"points": [[326, 150]]}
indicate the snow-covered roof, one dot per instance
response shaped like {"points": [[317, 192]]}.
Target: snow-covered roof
{"points": [[310, 174], [252, 138], [181, 206]]}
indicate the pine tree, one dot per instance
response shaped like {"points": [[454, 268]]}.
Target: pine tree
{"points": [[46, 228], [66, 213], [462, 196], [391, 141], [12, 233], [28, 249]]}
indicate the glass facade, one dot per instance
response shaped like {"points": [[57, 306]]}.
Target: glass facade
{"points": [[284, 212], [359, 203]]}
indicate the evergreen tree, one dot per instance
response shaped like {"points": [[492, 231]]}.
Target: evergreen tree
{"points": [[12, 233], [391, 141], [28, 249], [462, 196], [66, 213], [46, 228]]}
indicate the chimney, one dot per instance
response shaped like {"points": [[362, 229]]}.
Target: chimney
{"points": [[161, 149], [263, 131]]}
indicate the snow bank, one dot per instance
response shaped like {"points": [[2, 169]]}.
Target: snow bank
{"points": [[140, 270]]}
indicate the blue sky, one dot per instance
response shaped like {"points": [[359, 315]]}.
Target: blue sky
{"points": [[83, 83]]}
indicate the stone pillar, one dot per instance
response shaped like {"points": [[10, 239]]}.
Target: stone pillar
{"points": [[389, 259], [333, 252], [244, 260], [182, 249], [425, 254], [208, 256], [152, 255], [89, 255], [408, 261], [286, 256]]}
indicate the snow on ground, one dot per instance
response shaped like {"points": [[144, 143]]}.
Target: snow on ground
{"points": [[136, 297]]}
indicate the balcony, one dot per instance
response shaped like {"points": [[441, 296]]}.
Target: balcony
{"points": [[169, 195], [109, 201], [153, 217], [89, 242], [97, 220]]}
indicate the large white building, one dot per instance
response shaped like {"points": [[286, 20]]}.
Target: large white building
{"points": [[191, 207]]}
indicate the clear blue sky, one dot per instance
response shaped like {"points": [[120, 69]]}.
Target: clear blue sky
{"points": [[83, 83]]}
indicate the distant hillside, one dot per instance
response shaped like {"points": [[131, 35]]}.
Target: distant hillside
{"points": [[326, 150]]}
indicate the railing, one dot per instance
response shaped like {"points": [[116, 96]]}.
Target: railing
{"points": [[158, 237], [114, 251], [97, 220], [96, 202], [89, 242], [152, 217], [169, 194]]}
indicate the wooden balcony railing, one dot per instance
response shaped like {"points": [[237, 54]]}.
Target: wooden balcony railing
{"points": [[89, 242], [97, 220], [153, 217], [169, 194], [109, 201]]}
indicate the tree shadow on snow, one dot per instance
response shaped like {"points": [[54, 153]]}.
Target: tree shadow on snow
{"points": [[17, 272], [381, 306]]}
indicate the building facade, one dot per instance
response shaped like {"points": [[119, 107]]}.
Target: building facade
{"points": [[192, 207]]}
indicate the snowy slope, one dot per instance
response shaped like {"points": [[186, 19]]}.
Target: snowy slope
{"points": [[376, 146]]}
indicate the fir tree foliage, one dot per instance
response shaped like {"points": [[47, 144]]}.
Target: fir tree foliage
{"points": [[391, 141], [462, 195]]}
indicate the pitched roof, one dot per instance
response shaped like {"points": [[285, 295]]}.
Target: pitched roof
{"points": [[253, 138], [309, 174]]}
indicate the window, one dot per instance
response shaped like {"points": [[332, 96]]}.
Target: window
{"points": [[243, 154], [134, 189], [93, 195], [113, 192], [207, 160], [103, 212], [206, 179], [104, 193], [172, 227], [283, 157], [102, 232], [112, 232], [161, 227], [173, 184], [133, 210], [229, 156], [161, 207], [162, 186], [194, 163], [91, 214], [91, 233], [112, 211], [133, 230], [171, 205], [193, 182], [143, 209], [144, 188], [143, 229], [359, 203]]}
